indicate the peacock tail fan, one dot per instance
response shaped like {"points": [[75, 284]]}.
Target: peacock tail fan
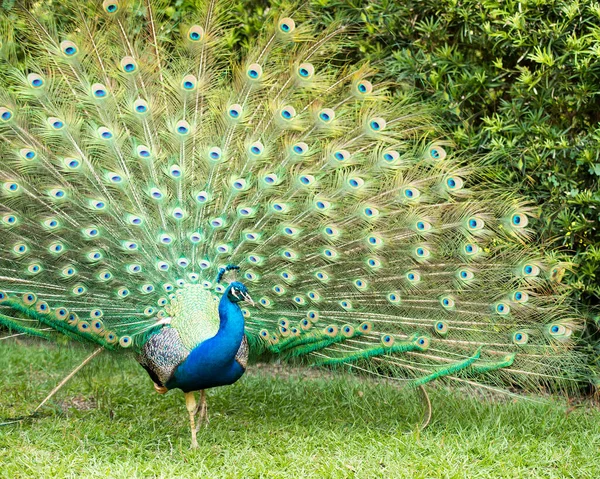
{"points": [[138, 157]]}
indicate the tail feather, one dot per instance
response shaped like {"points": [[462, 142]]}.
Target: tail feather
{"points": [[139, 156]]}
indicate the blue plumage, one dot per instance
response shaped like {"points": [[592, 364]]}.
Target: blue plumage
{"points": [[213, 362]]}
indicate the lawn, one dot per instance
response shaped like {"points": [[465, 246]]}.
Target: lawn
{"points": [[274, 423]]}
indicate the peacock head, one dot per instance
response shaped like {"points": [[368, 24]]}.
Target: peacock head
{"points": [[237, 292]]}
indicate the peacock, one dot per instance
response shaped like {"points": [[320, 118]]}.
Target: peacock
{"points": [[165, 197]]}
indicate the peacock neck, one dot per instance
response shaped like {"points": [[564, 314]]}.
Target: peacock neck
{"points": [[231, 327]]}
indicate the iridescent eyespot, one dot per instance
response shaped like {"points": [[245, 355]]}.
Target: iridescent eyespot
{"points": [[202, 197], [182, 127], [178, 213], [423, 226], [128, 64], [441, 328], [20, 248], [305, 71], [345, 304], [347, 331], [234, 111], [55, 123], [306, 180], [331, 231], [530, 270], [471, 249], [270, 179], [98, 204], [322, 276], [143, 151], [502, 309], [374, 241], [279, 207], [79, 289], [559, 330], [99, 91], [195, 33], [355, 182], [436, 152], [239, 184], [411, 194], [256, 148], [300, 148], [475, 223], [363, 87], [11, 186], [175, 171], [387, 340], [188, 83], [57, 193], [254, 71], [447, 302], [390, 156], [105, 133], [465, 274], [366, 327], [27, 153], [29, 298], [394, 298], [377, 124], [140, 107], [374, 263], [520, 297], [165, 239], [287, 112], [223, 248], [183, 262], [341, 155], [413, 276], [326, 115], [35, 80], [322, 205], [215, 153], [5, 114], [286, 25], [156, 194], [519, 220], [110, 6], [454, 183], [68, 48], [520, 337], [9, 220]]}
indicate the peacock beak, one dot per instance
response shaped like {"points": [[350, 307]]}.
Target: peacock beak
{"points": [[247, 298]]}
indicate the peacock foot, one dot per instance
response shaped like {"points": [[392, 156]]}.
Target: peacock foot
{"points": [[202, 410], [160, 389]]}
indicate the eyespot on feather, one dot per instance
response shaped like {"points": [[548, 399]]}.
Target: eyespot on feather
{"points": [[286, 26], [68, 48], [195, 33], [305, 71], [128, 65]]}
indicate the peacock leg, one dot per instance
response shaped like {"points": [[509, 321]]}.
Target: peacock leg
{"points": [[203, 410], [190, 404]]}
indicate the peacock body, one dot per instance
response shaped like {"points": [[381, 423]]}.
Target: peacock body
{"points": [[141, 160]]}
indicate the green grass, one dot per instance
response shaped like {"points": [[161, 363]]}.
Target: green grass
{"points": [[109, 422]]}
